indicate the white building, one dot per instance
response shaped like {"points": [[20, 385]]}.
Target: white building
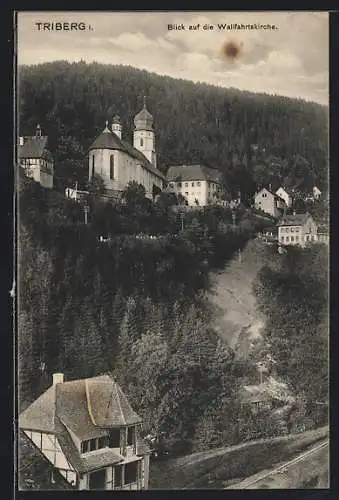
{"points": [[297, 229], [269, 202], [316, 193], [89, 433], [118, 162], [286, 195], [36, 159], [200, 185]]}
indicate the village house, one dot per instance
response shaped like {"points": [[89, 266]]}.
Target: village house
{"points": [[297, 229], [198, 184], [269, 202], [286, 195], [36, 159], [89, 433], [118, 162]]}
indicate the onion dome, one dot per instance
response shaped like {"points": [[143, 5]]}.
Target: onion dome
{"points": [[143, 120]]}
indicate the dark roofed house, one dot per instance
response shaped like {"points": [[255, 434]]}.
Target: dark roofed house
{"points": [[89, 433], [199, 184], [36, 159]]}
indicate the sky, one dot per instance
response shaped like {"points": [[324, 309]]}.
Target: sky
{"points": [[291, 60]]}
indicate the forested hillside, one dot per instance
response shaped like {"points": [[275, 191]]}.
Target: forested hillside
{"points": [[254, 139], [132, 307]]}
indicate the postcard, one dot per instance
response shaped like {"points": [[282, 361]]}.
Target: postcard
{"points": [[172, 224]]}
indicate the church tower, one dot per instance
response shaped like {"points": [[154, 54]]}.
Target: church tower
{"points": [[116, 126], [144, 136]]}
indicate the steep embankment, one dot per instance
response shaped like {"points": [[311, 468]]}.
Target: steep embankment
{"points": [[233, 296], [218, 467]]}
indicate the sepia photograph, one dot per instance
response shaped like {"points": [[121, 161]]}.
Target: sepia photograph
{"points": [[172, 248]]}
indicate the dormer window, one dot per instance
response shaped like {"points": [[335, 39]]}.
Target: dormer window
{"points": [[93, 444]]}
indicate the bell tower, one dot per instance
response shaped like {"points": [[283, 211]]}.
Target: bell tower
{"points": [[144, 135]]}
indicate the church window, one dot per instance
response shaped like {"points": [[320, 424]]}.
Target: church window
{"points": [[93, 165], [141, 142], [111, 167]]}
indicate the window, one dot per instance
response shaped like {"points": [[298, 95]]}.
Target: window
{"points": [[93, 444], [297, 238], [114, 438], [186, 194], [179, 184], [297, 230], [292, 238], [130, 436], [171, 185], [287, 229], [111, 167], [97, 480], [131, 472], [118, 476], [93, 165], [282, 239], [199, 183], [192, 184], [264, 195], [287, 239], [186, 184], [292, 229], [141, 142]]}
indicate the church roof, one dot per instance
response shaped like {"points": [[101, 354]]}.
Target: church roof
{"points": [[109, 140], [34, 147], [181, 173]]}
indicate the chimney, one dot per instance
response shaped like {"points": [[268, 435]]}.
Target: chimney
{"points": [[21, 141], [58, 378]]}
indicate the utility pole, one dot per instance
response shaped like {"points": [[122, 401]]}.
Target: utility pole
{"points": [[86, 209], [182, 220]]}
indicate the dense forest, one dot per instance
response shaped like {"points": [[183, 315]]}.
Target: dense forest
{"points": [[254, 139], [131, 306]]}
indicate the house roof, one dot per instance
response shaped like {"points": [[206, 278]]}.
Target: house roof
{"points": [[85, 406], [197, 172], [276, 197], [109, 140], [294, 220], [34, 147], [39, 416], [287, 190]]}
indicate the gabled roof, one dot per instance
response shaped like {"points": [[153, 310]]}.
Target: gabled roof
{"points": [[286, 189], [87, 407], [109, 140], [197, 172], [34, 147], [276, 197], [39, 416], [294, 220]]}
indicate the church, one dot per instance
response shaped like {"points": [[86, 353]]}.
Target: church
{"points": [[118, 162]]}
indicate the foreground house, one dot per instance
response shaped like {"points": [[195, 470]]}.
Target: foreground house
{"points": [[198, 184], [269, 202], [88, 431], [118, 162], [297, 229], [36, 159]]}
